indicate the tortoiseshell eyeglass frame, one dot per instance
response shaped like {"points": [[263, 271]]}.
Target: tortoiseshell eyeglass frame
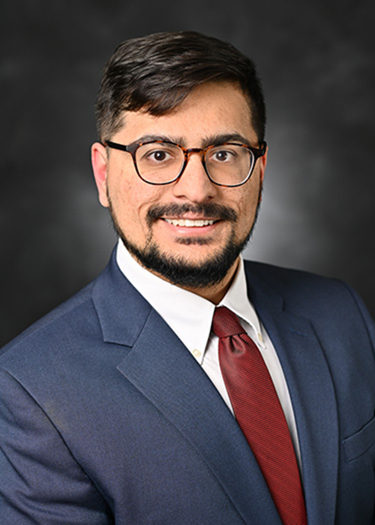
{"points": [[132, 149]]}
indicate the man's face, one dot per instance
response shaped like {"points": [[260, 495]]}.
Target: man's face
{"points": [[150, 219]]}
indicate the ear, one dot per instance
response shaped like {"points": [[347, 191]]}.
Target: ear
{"points": [[99, 161], [263, 164]]}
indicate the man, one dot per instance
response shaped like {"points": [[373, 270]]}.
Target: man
{"points": [[127, 404]]}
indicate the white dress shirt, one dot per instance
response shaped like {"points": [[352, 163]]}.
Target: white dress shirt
{"points": [[190, 317]]}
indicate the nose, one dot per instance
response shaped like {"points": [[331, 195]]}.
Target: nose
{"points": [[194, 184]]}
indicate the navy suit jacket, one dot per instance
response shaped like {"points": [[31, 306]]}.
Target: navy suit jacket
{"points": [[105, 417]]}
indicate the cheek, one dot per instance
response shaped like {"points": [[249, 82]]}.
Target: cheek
{"points": [[246, 207], [131, 200]]}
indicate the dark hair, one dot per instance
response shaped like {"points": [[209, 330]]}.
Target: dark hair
{"points": [[157, 72]]}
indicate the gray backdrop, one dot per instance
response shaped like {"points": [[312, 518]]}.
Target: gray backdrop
{"points": [[316, 60]]}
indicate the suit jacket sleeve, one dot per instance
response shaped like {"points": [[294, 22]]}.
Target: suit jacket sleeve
{"points": [[40, 481]]}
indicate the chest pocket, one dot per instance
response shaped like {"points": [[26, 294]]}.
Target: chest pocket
{"points": [[360, 442]]}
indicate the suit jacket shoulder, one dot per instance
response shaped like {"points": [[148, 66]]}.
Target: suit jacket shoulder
{"points": [[324, 299]]}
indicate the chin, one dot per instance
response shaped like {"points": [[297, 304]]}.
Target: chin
{"points": [[200, 271]]}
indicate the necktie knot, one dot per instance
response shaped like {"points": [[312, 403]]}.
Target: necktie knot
{"points": [[225, 323]]}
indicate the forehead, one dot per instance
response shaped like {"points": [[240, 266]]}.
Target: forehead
{"points": [[209, 110]]}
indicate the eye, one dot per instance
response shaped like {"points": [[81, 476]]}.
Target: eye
{"points": [[223, 154], [157, 153]]}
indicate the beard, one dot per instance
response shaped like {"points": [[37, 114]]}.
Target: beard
{"points": [[179, 270]]}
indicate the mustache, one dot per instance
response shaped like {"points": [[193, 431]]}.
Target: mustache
{"points": [[204, 210]]}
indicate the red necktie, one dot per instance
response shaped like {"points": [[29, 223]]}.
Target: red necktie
{"points": [[259, 414]]}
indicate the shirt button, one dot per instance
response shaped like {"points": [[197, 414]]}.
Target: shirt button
{"points": [[196, 352], [260, 337]]}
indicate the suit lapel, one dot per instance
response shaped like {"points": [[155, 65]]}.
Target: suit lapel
{"points": [[163, 370], [313, 398]]}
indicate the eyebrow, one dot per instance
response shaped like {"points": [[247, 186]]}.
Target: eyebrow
{"points": [[216, 140], [162, 138], [211, 140]]}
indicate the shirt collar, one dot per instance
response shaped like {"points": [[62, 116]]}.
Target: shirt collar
{"points": [[237, 300], [182, 309]]}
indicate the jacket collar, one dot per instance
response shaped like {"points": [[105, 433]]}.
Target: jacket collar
{"points": [[121, 309]]}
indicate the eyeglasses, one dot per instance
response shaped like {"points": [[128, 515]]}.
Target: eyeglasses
{"points": [[160, 162]]}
